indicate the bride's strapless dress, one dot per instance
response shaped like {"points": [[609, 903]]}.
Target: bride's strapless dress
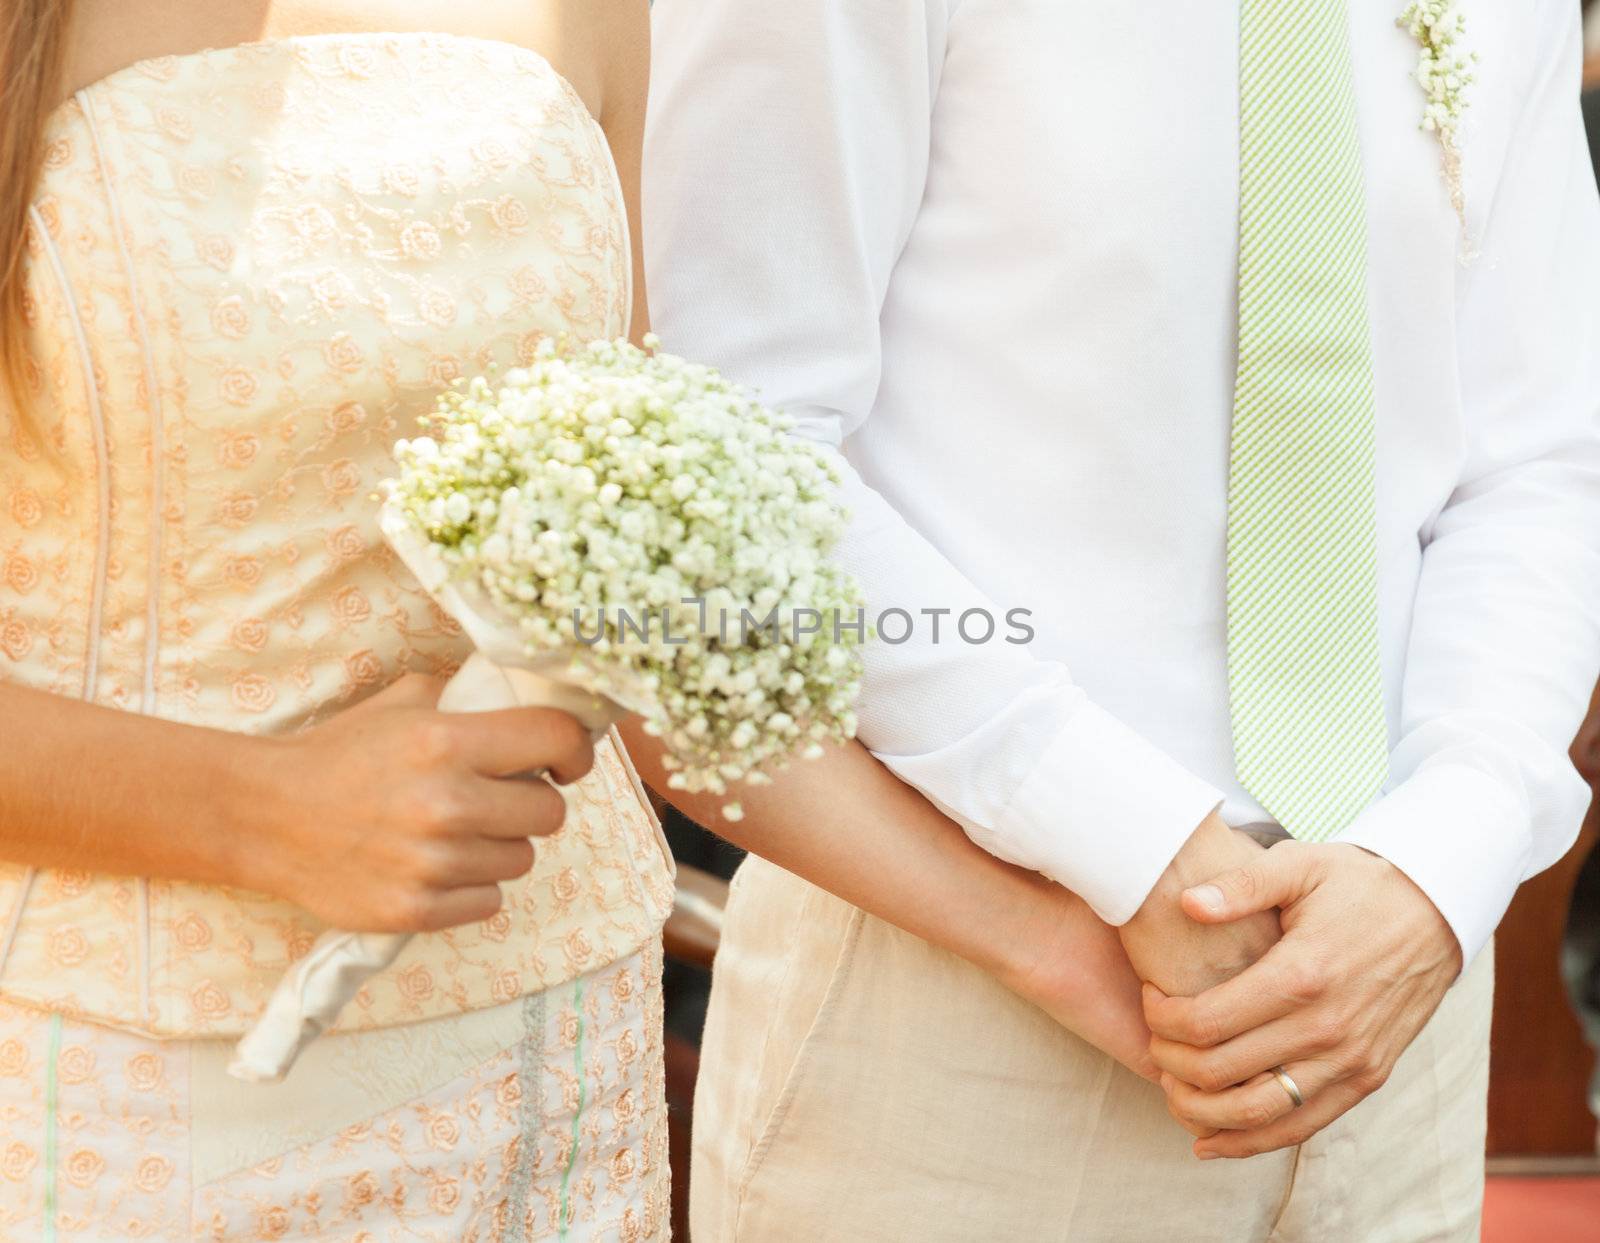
{"points": [[250, 270]]}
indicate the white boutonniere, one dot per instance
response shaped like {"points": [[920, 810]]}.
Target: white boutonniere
{"points": [[1444, 71]]}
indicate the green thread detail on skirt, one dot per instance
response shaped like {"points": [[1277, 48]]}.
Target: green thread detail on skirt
{"points": [[52, 1094], [577, 1115]]}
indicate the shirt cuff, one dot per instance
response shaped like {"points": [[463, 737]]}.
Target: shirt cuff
{"points": [[1103, 813], [1462, 838]]}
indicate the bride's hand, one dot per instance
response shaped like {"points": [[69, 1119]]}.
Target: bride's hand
{"points": [[396, 817], [1179, 956], [1073, 967]]}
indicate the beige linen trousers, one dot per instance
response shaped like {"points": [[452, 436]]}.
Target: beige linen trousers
{"points": [[862, 1086]]}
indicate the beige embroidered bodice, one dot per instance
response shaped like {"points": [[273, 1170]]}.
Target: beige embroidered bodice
{"points": [[249, 271]]}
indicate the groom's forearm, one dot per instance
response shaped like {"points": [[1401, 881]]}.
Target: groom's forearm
{"points": [[1172, 951], [848, 825]]}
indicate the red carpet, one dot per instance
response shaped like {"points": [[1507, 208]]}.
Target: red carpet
{"points": [[1542, 1210]]}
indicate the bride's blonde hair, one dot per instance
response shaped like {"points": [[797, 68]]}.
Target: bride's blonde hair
{"points": [[33, 53]]}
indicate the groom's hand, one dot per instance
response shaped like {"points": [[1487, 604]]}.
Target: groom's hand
{"points": [[1364, 961], [1174, 952]]}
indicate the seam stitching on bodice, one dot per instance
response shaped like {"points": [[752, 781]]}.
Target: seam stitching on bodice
{"points": [[102, 461], [152, 642], [152, 632], [91, 658], [24, 892]]}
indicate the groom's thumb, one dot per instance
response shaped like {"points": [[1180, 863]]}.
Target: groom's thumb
{"points": [[1275, 878]]}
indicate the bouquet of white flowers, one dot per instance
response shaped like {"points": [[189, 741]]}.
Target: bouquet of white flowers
{"points": [[617, 530]]}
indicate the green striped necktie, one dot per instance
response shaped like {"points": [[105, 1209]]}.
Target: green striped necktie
{"points": [[1305, 682]]}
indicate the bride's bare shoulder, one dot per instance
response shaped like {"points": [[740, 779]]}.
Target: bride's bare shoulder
{"points": [[588, 41], [580, 37], [601, 46]]}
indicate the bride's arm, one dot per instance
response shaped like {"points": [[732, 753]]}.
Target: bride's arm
{"points": [[389, 816], [620, 32], [848, 825]]}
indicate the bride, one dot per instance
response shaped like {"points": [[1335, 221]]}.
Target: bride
{"points": [[241, 248]]}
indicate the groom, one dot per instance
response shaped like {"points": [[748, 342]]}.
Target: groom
{"points": [[1281, 415]]}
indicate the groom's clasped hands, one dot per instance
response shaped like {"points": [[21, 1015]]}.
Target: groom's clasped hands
{"points": [[1320, 961]]}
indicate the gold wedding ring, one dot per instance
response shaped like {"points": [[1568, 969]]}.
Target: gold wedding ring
{"points": [[1289, 1086]]}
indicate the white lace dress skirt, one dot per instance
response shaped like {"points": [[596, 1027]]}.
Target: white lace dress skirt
{"points": [[542, 1119]]}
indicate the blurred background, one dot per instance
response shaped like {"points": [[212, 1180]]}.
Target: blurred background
{"points": [[1544, 1091]]}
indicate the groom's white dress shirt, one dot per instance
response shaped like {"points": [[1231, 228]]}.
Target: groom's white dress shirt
{"points": [[989, 248]]}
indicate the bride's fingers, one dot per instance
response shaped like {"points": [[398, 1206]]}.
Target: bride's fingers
{"points": [[437, 909], [1240, 1059], [502, 807], [511, 741], [1258, 1103], [488, 861]]}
